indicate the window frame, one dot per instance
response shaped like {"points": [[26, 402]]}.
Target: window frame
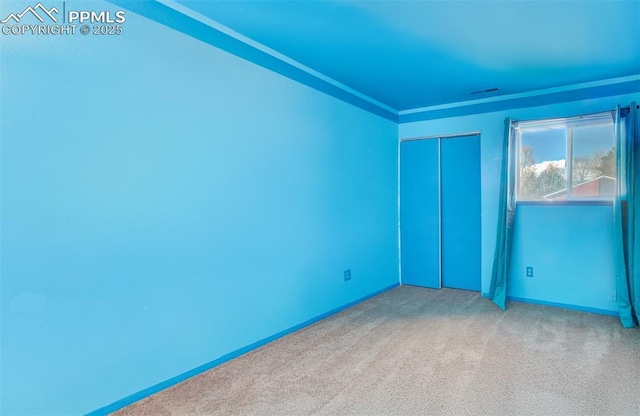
{"points": [[569, 124]]}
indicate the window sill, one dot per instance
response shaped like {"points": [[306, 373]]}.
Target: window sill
{"points": [[572, 203]]}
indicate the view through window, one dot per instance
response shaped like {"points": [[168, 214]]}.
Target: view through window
{"points": [[560, 160]]}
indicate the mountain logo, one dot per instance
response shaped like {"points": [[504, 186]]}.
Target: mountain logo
{"points": [[38, 11]]}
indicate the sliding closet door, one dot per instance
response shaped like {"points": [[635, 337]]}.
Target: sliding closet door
{"points": [[460, 193], [419, 213]]}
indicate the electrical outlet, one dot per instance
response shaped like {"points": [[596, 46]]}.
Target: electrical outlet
{"points": [[613, 296], [529, 271], [347, 275]]}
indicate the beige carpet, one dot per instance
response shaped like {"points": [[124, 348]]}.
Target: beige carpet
{"points": [[414, 351]]}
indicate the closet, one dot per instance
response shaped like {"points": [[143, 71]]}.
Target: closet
{"points": [[440, 211]]}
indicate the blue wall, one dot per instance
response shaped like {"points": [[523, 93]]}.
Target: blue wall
{"points": [[571, 251], [165, 203], [570, 248]]}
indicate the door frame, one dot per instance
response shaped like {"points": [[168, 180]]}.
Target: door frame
{"points": [[439, 137]]}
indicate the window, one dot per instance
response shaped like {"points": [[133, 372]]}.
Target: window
{"points": [[566, 159]]}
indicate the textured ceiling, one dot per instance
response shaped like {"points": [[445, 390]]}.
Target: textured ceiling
{"points": [[413, 54]]}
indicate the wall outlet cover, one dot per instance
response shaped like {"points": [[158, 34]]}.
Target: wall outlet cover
{"points": [[347, 275]]}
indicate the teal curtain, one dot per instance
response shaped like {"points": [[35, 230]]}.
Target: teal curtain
{"points": [[626, 216], [506, 219]]}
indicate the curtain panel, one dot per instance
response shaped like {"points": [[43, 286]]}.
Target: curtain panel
{"points": [[506, 219], [626, 216]]}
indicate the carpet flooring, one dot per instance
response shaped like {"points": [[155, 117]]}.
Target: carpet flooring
{"points": [[415, 351]]}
